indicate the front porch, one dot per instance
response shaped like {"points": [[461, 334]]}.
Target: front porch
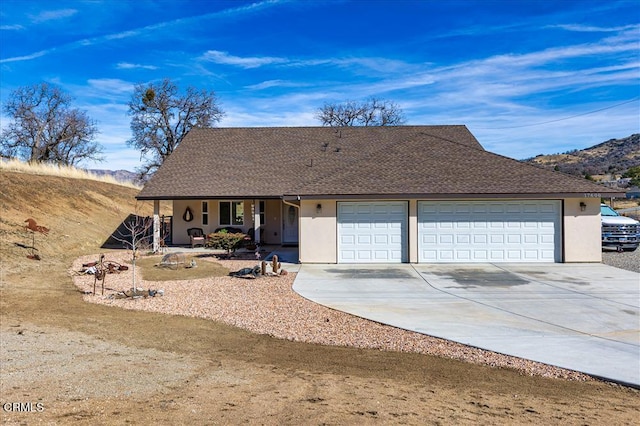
{"points": [[269, 222], [286, 254]]}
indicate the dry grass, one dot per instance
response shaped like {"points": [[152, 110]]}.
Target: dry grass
{"points": [[152, 270], [91, 364], [47, 169], [80, 214]]}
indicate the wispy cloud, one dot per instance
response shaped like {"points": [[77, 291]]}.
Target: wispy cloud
{"points": [[383, 65], [111, 85], [591, 29], [129, 66], [52, 15], [26, 57], [15, 27], [254, 7], [269, 84], [224, 58]]}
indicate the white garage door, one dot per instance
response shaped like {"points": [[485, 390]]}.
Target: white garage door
{"points": [[489, 231], [372, 232]]}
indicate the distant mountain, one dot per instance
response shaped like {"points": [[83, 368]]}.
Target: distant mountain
{"points": [[119, 175], [605, 161]]}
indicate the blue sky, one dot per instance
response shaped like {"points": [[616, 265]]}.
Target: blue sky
{"points": [[526, 77]]}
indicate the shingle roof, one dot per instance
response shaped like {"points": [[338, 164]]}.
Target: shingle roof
{"points": [[315, 161]]}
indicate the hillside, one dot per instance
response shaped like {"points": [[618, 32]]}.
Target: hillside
{"points": [[607, 160], [119, 175], [80, 214]]}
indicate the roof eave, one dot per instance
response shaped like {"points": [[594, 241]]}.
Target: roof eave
{"points": [[207, 197], [451, 196]]}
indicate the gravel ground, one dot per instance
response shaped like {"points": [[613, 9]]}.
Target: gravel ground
{"points": [[269, 306], [629, 260]]}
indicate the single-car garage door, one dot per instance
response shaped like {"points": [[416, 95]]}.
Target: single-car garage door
{"points": [[489, 231], [372, 232]]}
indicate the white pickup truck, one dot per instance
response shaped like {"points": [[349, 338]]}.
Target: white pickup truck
{"points": [[618, 232]]}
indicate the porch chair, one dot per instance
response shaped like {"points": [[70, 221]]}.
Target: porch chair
{"points": [[196, 236]]}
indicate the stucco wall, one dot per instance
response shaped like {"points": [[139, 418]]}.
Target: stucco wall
{"points": [[318, 232], [413, 231], [582, 230], [180, 226]]}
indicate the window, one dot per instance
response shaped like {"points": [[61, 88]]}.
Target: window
{"points": [[205, 212], [231, 213], [262, 215]]}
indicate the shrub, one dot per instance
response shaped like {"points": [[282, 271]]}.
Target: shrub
{"points": [[225, 241]]}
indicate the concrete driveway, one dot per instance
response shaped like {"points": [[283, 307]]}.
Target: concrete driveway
{"points": [[583, 317]]}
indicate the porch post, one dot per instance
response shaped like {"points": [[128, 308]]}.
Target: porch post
{"points": [[156, 226], [256, 221]]}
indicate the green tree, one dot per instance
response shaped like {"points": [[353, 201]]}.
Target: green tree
{"points": [[161, 117], [634, 174], [44, 127]]}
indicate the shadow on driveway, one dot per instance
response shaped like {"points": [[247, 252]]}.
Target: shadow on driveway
{"points": [[583, 317]]}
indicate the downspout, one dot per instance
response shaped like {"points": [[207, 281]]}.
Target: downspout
{"points": [[297, 206]]}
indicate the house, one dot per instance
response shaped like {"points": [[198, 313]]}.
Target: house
{"points": [[378, 194]]}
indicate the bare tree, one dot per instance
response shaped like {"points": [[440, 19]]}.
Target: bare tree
{"points": [[135, 238], [372, 112], [46, 129], [161, 118]]}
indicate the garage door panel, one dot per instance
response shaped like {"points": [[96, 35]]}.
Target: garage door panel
{"points": [[480, 255], [397, 240], [497, 255], [462, 209], [463, 239], [547, 208], [446, 238], [514, 239], [546, 239], [480, 239], [363, 209], [496, 239], [548, 255], [347, 239], [379, 234], [363, 239], [464, 254], [446, 254], [514, 255], [363, 255], [492, 231]]}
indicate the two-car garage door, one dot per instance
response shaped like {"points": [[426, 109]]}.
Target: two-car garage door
{"points": [[450, 231], [489, 231]]}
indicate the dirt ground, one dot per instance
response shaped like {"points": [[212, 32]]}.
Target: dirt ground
{"points": [[66, 361], [90, 364]]}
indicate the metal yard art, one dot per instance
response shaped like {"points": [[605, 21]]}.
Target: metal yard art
{"points": [[32, 226]]}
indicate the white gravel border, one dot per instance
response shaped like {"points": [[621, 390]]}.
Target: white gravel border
{"points": [[268, 305]]}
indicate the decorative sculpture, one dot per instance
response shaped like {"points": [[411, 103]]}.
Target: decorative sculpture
{"points": [[32, 226]]}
